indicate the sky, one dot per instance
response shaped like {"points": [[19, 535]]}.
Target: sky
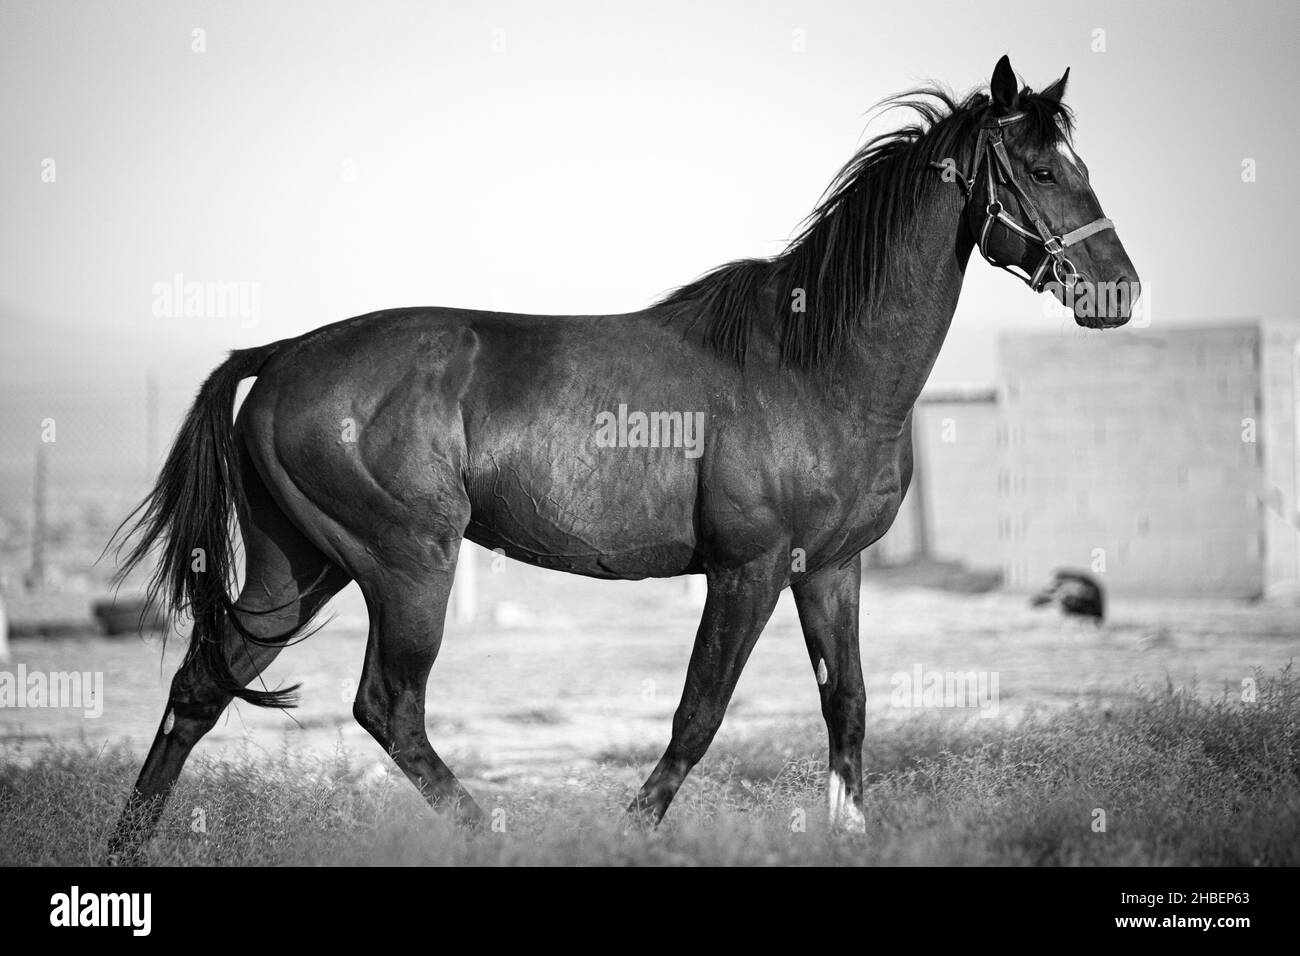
{"points": [[332, 158]]}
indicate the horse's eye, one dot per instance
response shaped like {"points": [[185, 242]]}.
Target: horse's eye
{"points": [[1044, 176]]}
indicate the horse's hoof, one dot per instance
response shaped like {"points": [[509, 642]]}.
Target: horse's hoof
{"points": [[851, 821], [469, 815], [124, 854], [843, 813], [642, 817]]}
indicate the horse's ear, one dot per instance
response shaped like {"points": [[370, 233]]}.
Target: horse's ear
{"points": [[1057, 89], [1003, 85]]}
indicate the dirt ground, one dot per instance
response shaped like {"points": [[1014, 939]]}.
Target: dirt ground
{"points": [[559, 673]]}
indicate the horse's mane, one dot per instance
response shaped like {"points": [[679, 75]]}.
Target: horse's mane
{"points": [[850, 247]]}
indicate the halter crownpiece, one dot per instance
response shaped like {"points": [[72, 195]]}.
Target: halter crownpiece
{"points": [[990, 153]]}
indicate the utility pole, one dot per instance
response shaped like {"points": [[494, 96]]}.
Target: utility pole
{"points": [[36, 576]]}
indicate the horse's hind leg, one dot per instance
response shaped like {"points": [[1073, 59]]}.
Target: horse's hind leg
{"points": [[828, 611], [286, 582], [407, 612]]}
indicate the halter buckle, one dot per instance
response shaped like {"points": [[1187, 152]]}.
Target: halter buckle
{"points": [[1071, 277], [1055, 247]]}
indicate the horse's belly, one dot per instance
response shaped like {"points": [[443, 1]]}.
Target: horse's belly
{"points": [[615, 519]]}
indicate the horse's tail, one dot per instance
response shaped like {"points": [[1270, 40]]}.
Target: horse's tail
{"points": [[187, 519]]}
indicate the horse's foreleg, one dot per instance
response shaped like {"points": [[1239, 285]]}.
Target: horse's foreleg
{"points": [[738, 605], [828, 610]]}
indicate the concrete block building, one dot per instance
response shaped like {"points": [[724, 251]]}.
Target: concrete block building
{"points": [[1163, 459]]}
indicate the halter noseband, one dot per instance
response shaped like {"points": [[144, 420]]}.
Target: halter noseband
{"points": [[990, 153]]}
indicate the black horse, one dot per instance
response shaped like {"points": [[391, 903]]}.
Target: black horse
{"points": [[368, 449]]}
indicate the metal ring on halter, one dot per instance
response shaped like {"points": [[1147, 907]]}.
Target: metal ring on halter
{"points": [[1073, 276], [994, 208]]}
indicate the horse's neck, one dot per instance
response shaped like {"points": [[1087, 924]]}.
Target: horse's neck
{"points": [[892, 359]]}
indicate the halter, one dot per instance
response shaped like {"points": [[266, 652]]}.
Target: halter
{"points": [[990, 153]]}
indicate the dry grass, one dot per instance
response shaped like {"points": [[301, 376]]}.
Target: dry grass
{"points": [[1182, 780]]}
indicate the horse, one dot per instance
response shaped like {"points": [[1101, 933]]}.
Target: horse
{"points": [[366, 450]]}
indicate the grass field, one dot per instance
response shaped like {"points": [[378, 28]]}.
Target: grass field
{"points": [[1182, 779], [554, 704]]}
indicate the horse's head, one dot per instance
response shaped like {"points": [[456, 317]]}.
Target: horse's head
{"points": [[1031, 206]]}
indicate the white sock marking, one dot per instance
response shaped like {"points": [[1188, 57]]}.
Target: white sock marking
{"points": [[843, 812]]}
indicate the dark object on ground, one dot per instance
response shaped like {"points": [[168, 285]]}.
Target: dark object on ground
{"points": [[131, 616], [1077, 592]]}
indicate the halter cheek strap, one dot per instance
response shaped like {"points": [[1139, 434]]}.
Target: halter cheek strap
{"points": [[990, 154]]}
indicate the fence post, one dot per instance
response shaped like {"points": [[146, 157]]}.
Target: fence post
{"points": [[921, 546], [464, 587], [36, 575]]}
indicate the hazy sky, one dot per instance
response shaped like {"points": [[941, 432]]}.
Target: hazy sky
{"points": [[575, 157]]}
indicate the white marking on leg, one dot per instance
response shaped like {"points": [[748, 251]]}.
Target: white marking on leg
{"points": [[822, 675], [834, 795], [170, 722], [843, 812]]}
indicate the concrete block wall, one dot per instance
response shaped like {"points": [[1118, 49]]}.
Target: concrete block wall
{"points": [[1280, 481], [1170, 458], [960, 453], [955, 435], [1125, 454]]}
